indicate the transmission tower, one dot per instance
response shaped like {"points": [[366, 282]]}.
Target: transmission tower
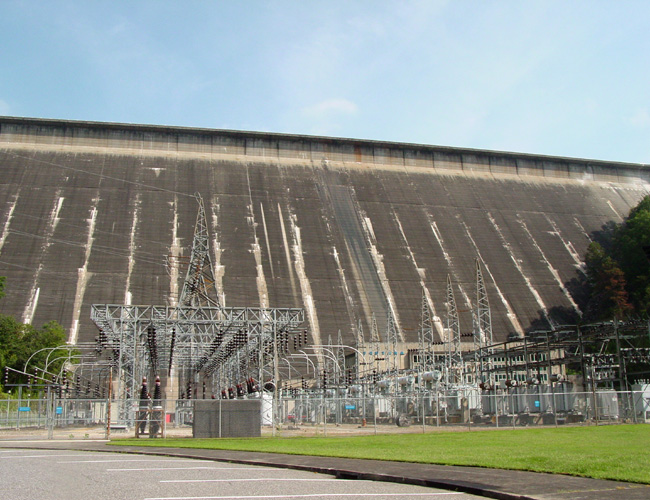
{"points": [[360, 340], [482, 323], [454, 354], [483, 334], [425, 335], [374, 342], [340, 356], [391, 337], [361, 347], [199, 288]]}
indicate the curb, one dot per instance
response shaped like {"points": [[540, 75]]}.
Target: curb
{"points": [[458, 486]]}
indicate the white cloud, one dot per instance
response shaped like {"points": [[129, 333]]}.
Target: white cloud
{"points": [[641, 118], [329, 108]]}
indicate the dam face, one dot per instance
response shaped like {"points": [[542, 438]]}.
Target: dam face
{"points": [[346, 229]]}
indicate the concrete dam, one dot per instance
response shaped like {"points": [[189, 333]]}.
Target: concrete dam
{"points": [[349, 230]]}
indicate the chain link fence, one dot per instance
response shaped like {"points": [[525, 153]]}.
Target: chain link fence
{"points": [[320, 413]]}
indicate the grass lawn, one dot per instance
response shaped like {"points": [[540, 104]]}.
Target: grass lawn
{"points": [[620, 452]]}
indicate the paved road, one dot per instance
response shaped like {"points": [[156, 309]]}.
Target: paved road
{"points": [[492, 483], [80, 475]]}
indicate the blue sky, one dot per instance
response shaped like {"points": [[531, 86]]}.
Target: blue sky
{"points": [[567, 78]]}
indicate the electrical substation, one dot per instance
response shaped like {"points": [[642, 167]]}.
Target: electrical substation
{"points": [[334, 281]]}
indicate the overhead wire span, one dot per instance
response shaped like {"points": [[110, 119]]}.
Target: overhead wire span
{"points": [[101, 175]]}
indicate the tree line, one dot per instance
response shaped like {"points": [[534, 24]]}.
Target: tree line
{"points": [[617, 268], [19, 341]]}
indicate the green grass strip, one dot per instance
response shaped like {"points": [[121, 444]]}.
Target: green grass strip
{"points": [[619, 452]]}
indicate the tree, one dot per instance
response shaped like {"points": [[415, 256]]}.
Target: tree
{"points": [[18, 341], [606, 280], [630, 240], [619, 273]]}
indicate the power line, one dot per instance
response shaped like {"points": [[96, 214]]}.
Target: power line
{"points": [[100, 175], [98, 248]]}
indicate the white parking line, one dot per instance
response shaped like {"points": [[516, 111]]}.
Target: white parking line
{"points": [[175, 460], [41, 456], [49, 441], [243, 480], [20, 450], [191, 468], [314, 495]]}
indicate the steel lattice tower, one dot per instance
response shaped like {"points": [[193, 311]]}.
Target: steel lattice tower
{"points": [[425, 335], [199, 288], [374, 341], [360, 340], [454, 354], [391, 336], [483, 333], [340, 356]]}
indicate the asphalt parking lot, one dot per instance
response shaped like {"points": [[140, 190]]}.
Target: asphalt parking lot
{"points": [[77, 475]]}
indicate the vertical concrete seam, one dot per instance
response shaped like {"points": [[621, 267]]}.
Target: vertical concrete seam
{"points": [[219, 268], [287, 252], [132, 247], [552, 270], [53, 221], [305, 286], [508, 247], [7, 224], [175, 251], [82, 280], [380, 269], [510, 314]]}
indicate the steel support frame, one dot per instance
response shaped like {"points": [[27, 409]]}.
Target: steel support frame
{"points": [[208, 339]]}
